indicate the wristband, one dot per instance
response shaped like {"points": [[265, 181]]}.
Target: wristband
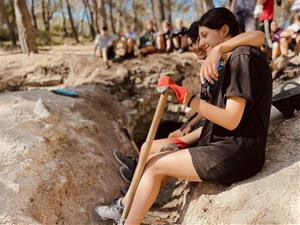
{"points": [[188, 104]]}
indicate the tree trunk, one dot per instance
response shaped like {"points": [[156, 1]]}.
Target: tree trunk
{"points": [[44, 16], [25, 29], [112, 24], [161, 9], [33, 14], [95, 16], [120, 18], [4, 17], [207, 5], [74, 31], [48, 9], [153, 11], [134, 15], [169, 8], [89, 17], [102, 14], [63, 19]]}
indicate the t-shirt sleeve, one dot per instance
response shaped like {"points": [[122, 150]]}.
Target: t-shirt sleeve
{"points": [[240, 78]]}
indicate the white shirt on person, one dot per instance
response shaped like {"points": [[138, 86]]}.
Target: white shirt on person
{"points": [[295, 27], [105, 41], [296, 6]]}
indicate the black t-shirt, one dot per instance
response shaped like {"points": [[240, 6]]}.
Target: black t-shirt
{"points": [[247, 75], [147, 39], [226, 156]]}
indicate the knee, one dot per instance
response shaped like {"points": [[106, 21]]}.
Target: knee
{"points": [[155, 167], [130, 42]]}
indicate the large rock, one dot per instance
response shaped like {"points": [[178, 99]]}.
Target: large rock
{"points": [[270, 197], [56, 156]]}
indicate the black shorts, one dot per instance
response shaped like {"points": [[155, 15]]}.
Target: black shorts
{"points": [[228, 161]]}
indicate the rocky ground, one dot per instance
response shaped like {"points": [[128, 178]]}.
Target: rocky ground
{"points": [[56, 151]]}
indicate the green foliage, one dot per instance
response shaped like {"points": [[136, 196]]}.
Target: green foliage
{"points": [[11, 11], [4, 34], [56, 28], [43, 38]]}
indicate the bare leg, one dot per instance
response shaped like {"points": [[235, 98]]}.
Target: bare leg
{"points": [[284, 46], [184, 42], [176, 42], [275, 50], [161, 42], [105, 57], [168, 45], [162, 165], [130, 45], [297, 48], [147, 50]]}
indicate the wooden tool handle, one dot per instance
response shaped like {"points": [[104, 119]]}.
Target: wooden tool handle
{"points": [[144, 154]]}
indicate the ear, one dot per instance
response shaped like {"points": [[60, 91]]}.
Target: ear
{"points": [[225, 30]]}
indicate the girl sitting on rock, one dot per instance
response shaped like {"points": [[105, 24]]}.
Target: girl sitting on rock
{"points": [[232, 141]]}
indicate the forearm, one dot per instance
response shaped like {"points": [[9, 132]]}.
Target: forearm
{"points": [[228, 118], [253, 38], [195, 120], [192, 137], [190, 114], [286, 34], [212, 113]]}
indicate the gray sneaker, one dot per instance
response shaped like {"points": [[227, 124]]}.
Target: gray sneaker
{"points": [[112, 212]]}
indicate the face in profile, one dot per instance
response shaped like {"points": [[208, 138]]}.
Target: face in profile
{"points": [[209, 38], [103, 32], [197, 50], [149, 25], [273, 26], [166, 26], [128, 28], [179, 23]]}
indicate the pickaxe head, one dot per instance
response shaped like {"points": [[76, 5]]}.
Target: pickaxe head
{"points": [[164, 83]]}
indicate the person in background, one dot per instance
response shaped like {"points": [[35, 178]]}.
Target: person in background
{"points": [[164, 38], [105, 42], [147, 39], [129, 36], [180, 36], [290, 37], [243, 11], [264, 10], [275, 34], [296, 6]]}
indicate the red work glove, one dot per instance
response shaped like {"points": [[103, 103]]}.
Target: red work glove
{"points": [[180, 92]]}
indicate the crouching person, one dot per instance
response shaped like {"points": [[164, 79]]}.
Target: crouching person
{"points": [[180, 37], [105, 43], [147, 39]]}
